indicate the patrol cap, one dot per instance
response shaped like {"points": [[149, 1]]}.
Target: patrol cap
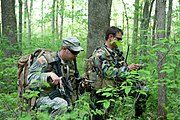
{"points": [[72, 43]]}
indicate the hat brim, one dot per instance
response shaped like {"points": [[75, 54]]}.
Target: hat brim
{"points": [[77, 48]]}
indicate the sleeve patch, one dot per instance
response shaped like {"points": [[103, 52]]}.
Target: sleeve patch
{"points": [[42, 60]]}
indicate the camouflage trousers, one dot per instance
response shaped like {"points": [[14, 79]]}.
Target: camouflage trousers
{"points": [[55, 107]]}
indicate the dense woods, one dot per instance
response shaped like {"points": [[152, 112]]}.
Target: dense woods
{"points": [[151, 32]]}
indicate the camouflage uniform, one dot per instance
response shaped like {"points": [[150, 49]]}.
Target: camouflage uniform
{"points": [[38, 75], [107, 71], [108, 67]]}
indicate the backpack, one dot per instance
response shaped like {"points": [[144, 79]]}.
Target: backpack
{"points": [[94, 72], [90, 71], [23, 66]]}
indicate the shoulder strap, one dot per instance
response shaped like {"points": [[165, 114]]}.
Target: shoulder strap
{"points": [[57, 66], [50, 57]]}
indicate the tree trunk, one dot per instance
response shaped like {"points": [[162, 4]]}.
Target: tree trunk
{"points": [[127, 21], [9, 28], [62, 19], [42, 19], [25, 15], [53, 21], [28, 20], [123, 21], [20, 26], [160, 31], [72, 18], [135, 31], [154, 27], [144, 28], [99, 12], [31, 9], [150, 11], [0, 30], [57, 20], [169, 18]]}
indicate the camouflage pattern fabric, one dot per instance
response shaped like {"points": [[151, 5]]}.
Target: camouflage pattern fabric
{"points": [[109, 71], [37, 75], [108, 66], [57, 106]]}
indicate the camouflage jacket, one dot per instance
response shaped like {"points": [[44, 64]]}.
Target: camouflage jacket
{"points": [[47, 63], [107, 66]]}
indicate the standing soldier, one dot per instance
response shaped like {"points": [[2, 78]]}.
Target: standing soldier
{"points": [[106, 67], [56, 68]]}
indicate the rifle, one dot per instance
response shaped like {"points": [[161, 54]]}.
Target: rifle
{"points": [[78, 78], [60, 92], [65, 91]]}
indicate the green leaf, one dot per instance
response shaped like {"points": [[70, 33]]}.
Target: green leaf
{"points": [[142, 92], [107, 94], [99, 91], [127, 89], [109, 89], [99, 112], [106, 104], [168, 71]]}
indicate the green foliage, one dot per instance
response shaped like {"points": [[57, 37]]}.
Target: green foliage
{"points": [[81, 110], [8, 106], [123, 106], [8, 74]]}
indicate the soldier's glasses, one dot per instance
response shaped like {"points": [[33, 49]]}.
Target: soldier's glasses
{"points": [[74, 52], [119, 39]]}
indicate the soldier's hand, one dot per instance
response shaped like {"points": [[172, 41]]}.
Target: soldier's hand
{"points": [[85, 82], [123, 63], [134, 66], [55, 79]]}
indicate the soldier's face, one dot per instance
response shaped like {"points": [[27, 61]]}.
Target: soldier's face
{"points": [[118, 37], [70, 55]]}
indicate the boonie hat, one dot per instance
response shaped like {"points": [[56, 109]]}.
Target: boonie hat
{"points": [[72, 43]]}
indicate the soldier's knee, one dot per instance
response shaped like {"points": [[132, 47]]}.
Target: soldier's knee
{"points": [[59, 103]]}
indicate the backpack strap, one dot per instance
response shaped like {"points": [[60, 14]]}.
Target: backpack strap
{"points": [[50, 57], [97, 69]]}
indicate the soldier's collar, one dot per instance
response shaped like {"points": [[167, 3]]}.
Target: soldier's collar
{"points": [[62, 62], [109, 50], [112, 52]]}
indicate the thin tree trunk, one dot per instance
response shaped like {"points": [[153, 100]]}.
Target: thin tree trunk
{"points": [[169, 18], [127, 21], [154, 27], [53, 21], [135, 31], [144, 28], [62, 19], [72, 20], [0, 31], [150, 11], [42, 19], [161, 20], [29, 21], [31, 9], [20, 26], [25, 15], [57, 20], [123, 21]]}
